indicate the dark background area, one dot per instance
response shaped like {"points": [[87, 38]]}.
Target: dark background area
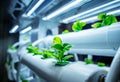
{"points": [[6, 39]]}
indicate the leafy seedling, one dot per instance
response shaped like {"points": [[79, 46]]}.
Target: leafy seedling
{"points": [[60, 48], [12, 48], [77, 26], [46, 53], [105, 20], [32, 49], [88, 61], [65, 32], [101, 64], [25, 81]]}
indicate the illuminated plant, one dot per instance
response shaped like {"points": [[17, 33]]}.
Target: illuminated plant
{"points": [[65, 32], [44, 52], [77, 26], [60, 48], [32, 49], [12, 48], [105, 20], [88, 61], [101, 64]]}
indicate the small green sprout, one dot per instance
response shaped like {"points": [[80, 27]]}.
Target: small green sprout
{"points": [[88, 61], [60, 48], [77, 26], [46, 53], [32, 49], [12, 48], [65, 32], [101, 64], [25, 81]]}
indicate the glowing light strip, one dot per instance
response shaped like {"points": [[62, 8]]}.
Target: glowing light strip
{"points": [[14, 29], [35, 7], [63, 9], [89, 11], [26, 30]]}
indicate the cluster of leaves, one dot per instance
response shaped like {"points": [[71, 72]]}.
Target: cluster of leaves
{"points": [[12, 48], [65, 32], [88, 61], [77, 26], [45, 53], [32, 49], [60, 48], [25, 81], [101, 64], [106, 20]]}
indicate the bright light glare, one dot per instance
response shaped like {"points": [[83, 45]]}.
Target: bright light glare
{"points": [[26, 30], [89, 11], [14, 29], [63, 9], [35, 7]]}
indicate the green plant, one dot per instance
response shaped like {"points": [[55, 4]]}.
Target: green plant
{"points": [[106, 20], [101, 64], [32, 49], [77, 26], [88, 61], [65, 31], [60, 48], [12, 48], [25, 81], [46, 53]]}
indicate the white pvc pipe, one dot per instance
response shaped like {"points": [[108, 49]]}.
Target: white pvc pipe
{"points": [[107, 38], [74, 72], [98, 52], [114, 73]]}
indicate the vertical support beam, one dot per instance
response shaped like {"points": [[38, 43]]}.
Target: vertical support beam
{"points": [[114, 73]]}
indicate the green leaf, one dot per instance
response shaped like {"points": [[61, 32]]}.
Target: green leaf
{"points": [[88, 61], [102, 16], [32, 49], [62, 63], [65, 32], [67, 57], [57, 40], [101, 64], [66, 47], [96, 25], [77, 26], [24, 80], [57, 46], [12, 48], [109, 20]]}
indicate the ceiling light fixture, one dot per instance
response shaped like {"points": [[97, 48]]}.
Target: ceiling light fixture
{"points": [[35, 7], [26, 30], [13, 30], [65, 8], [98, 9]]}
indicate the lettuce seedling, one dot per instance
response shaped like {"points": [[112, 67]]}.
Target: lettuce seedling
{"points": [[60, 48], [12, 48], [101, 64], [88, 61], [46, 53], [106, 20], [65, 32], [32, 49], [77, 26]]}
